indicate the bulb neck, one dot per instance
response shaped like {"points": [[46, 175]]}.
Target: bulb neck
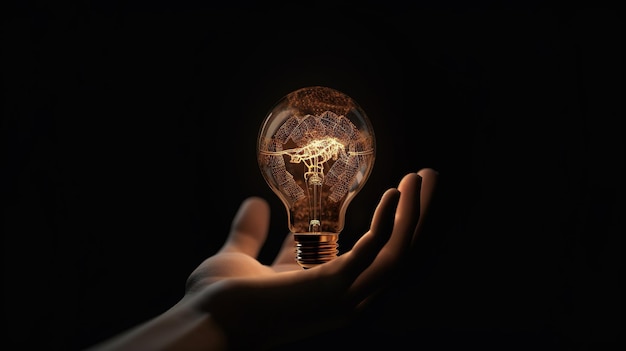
{"points": [[313, 249]]}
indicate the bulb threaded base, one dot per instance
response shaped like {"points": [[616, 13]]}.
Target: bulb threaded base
{"points": [[313, 249]]}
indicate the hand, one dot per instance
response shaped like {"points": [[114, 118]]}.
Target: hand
{"points": [[232, 301]]}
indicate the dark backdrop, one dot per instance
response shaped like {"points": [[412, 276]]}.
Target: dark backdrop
{"points": [[129, 132]]}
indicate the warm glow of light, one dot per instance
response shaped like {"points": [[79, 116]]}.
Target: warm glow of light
{"points": [[316, 149]]}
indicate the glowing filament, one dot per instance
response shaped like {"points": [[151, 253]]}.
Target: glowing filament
{"points": [[314, 155], [316, 149], [319, 139]]}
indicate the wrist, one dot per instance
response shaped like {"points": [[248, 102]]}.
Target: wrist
{"points": [[180, 328]]}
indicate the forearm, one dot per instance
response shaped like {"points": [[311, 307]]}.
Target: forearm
{"points": [[180, 328]]}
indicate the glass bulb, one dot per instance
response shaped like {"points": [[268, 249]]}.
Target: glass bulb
{"points": [[316, 149]]}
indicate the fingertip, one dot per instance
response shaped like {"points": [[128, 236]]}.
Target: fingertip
{"points": [[249, 226], [427, 172], [429, 179], [369, 245], [383, 219], [256, 201], [391, 194], [410, 181]]}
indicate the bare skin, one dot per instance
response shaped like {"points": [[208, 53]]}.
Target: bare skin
{"points": [[233, 302]]}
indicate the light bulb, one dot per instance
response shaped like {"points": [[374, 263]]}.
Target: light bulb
{"points": [[316, 149]]}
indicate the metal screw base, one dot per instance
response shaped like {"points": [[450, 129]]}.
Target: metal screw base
{"points": [[313, 249]]}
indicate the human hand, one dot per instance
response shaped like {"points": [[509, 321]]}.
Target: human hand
{"points": [[259, 306], [233, 302]]}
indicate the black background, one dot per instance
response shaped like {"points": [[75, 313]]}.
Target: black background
{"points": [[129, 132]]}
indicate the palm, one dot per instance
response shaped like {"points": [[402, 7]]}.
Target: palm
{"points": [[238, 257], [245, 304], [238, 264]]}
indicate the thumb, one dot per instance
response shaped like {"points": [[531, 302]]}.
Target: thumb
{"points": [[249, 227]]}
